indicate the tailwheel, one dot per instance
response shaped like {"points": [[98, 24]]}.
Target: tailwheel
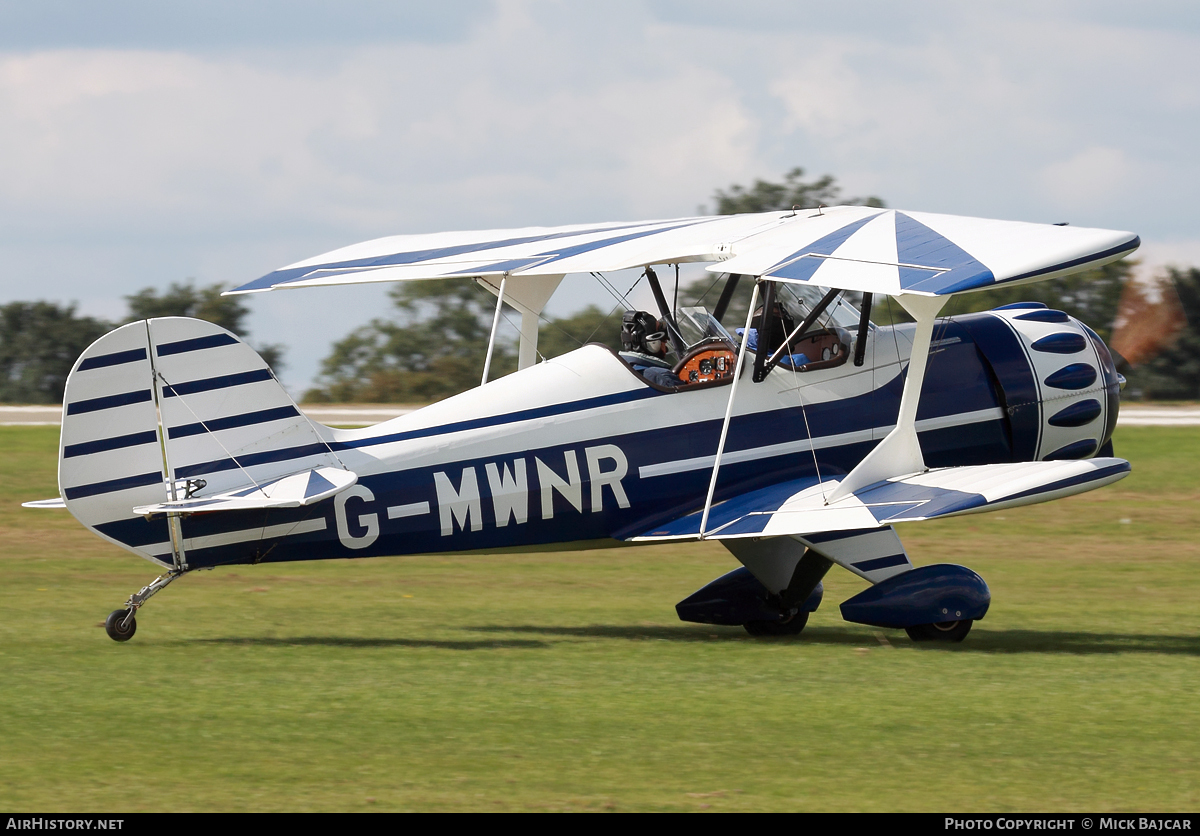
{"points": [[947, 631], [791, 627], [120, 625]]}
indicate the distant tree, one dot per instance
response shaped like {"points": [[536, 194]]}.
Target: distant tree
{"points": [[591, 325], [1173, 373], [205, 303], [39, 343], [434, 349], [765, 196], [1091, 296]]}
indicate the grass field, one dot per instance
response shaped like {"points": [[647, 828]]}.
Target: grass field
{"points": [[565, 681]]}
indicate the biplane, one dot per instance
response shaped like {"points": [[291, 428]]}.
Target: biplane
{"points": [[798, 437]]}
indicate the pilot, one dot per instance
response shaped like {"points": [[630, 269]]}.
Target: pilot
{"points": [[788, 361], [779, 326], [644, 348]]}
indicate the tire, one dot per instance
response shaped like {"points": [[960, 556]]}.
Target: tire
{"points": [[117, 631], [791, 627], [949, 631]]}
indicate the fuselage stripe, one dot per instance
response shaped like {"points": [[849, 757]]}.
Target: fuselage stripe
{"points": [[229, 538], [286, 453], [248, 535], [819, 443]]}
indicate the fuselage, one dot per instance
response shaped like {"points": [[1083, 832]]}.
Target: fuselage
{"points": [[578, 451]]}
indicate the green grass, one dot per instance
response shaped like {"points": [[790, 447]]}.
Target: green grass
{"points": [[564, 681]]}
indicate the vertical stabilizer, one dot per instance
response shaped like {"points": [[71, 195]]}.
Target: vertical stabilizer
{"points": [[166, 409]]}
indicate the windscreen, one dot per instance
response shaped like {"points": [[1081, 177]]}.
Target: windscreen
{"points": [[696, 324], [800, 299]]}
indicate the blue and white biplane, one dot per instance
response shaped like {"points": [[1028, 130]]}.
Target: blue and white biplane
{"points": [[797, 450]]}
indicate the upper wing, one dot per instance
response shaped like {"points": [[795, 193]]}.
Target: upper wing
{"points": [[849, 247], [800, 507]]}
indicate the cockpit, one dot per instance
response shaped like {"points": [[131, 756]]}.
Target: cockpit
{"points": [[802, 328]]}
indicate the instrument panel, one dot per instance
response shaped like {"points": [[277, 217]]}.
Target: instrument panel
{"points": [[707, 363]]}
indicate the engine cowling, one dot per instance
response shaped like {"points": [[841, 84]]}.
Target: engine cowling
{"points": [[1057, 380]]}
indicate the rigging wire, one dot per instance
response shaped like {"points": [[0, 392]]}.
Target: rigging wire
{"points": [[622, 301], [607, 285], [708, 289], [187, 406], [804, 412], [895, 339]]}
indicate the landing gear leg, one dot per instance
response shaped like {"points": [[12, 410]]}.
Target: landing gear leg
{"points": [[122, 624], [805, 577]]}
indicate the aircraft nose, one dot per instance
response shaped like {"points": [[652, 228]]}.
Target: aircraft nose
{"points": [[1113, 383]]}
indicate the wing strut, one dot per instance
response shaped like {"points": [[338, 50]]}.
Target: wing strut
{"points": [[487, 361], [737, 373], [726, 296], [677, 341], [801, 329], [899, 454], [174, 524], [528, 295], [864, 326]]}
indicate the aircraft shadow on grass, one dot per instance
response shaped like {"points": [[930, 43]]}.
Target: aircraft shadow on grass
{"points": [[982, 641], [350, 641]]}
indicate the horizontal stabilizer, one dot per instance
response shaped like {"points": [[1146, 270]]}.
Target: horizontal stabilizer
{"points": [[57, 502], [800, 507], [292, 491]]}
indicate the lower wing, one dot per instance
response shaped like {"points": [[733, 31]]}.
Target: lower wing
{"points": [[801, 506]]}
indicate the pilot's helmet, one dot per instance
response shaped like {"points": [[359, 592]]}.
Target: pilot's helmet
{"points": [[640, 331]]}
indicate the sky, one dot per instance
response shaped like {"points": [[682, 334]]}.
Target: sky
{"points": [[144, 143]]}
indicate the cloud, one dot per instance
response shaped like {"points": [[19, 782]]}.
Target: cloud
{"points": [[1096, 176], [135, 153], [228, 24]]}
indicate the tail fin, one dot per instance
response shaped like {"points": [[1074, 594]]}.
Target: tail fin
{"points": [[166, 409]]}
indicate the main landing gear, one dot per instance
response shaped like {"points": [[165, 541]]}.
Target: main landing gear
{"points": [[122, 624], [792, 627], [950, 631]]}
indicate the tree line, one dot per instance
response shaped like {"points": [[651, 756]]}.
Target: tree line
{"points": [[433, 342], [40, 341]]}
